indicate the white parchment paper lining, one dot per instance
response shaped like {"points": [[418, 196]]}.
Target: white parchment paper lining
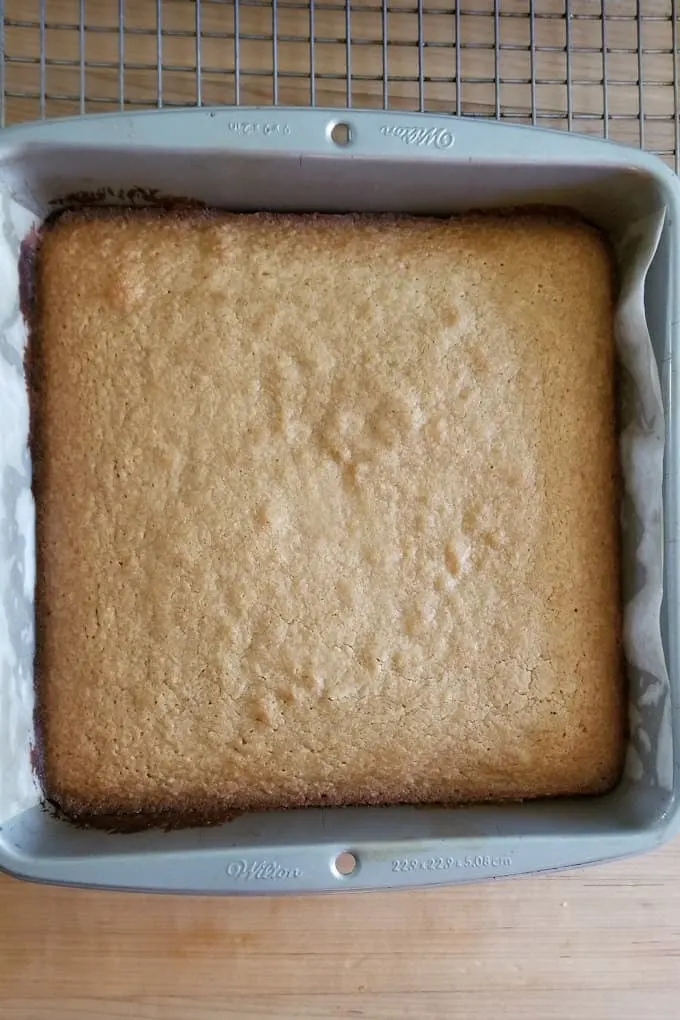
{"points": [[650, 750]]}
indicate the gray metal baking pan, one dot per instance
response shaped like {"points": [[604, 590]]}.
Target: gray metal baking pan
{"points": [[293, 159]]}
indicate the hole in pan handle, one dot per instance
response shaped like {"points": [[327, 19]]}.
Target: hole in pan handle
{"points": [[345, 864]]}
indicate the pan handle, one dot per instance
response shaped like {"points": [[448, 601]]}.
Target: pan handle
{"points": [[351, 134]]}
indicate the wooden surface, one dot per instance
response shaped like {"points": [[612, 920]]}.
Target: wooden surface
{"points": [[601, 943], [597, 944]]}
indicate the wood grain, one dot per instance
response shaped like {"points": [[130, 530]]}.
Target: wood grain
{"points": [[603, 942]]}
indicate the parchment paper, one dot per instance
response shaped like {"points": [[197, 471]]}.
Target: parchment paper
{"points": [[649, 758]]}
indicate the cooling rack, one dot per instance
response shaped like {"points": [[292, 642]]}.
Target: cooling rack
{"points": [[603, 67]]}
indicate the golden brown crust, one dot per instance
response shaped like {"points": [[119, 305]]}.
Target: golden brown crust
{"points": [[327, 511]]}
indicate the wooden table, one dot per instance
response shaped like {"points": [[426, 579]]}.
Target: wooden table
{"points": [[601, 943]]}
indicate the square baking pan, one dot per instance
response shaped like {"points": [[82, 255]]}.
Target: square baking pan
{"points": [[321, 160]]}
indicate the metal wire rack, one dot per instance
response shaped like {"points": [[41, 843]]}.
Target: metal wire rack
{"points": [[603, 67]]}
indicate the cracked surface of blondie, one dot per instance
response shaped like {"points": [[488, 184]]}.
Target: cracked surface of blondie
{"points": [[327, 511]]}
